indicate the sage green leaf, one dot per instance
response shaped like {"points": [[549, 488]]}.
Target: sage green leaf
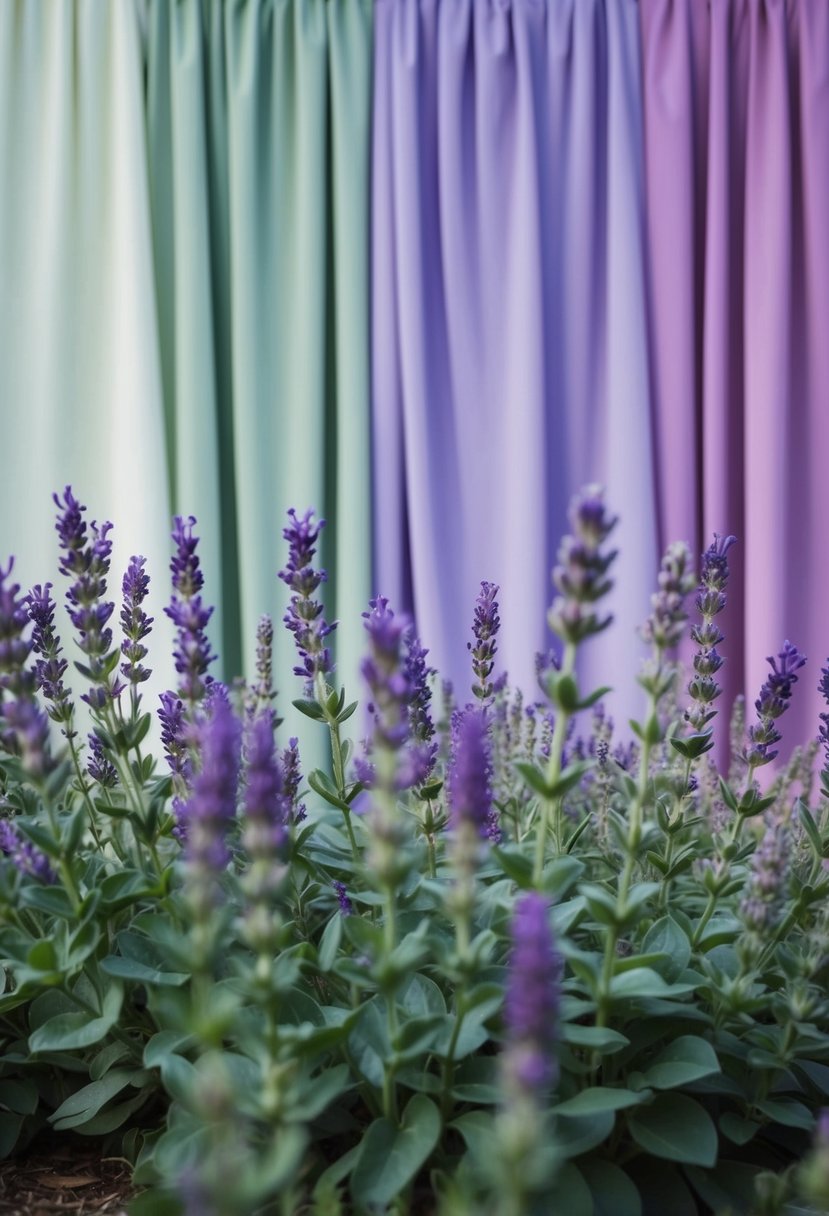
{"points": [[614, 1193], [599, 1098], [675, 1128], [667, 937], [578, 1134], [390, 1157], [686, 1059], [69, 1031], [86, 1102]]}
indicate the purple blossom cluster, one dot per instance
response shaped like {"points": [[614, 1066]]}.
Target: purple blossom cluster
{"points": [[346, 906], [765, 895], [192, 652], [267, 807], [98, 766], [263, 692], [663, 628], [421, 726], [772, 702], [23, 855], [532, 1001], [469, 777], [389, 679], [211, 808], [823, 730], [85, 560], [292, 777], [304, 618], [50, 666], [703, 687], [135, 624], [581, 571], [485, 626], [24, 728]]}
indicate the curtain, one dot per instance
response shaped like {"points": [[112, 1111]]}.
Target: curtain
{"points": [[509, 353], [80, 391], [184, 327], [737, 149], [258, 141]]}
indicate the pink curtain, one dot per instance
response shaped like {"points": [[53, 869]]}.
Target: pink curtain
{"points": [[736, 96]]}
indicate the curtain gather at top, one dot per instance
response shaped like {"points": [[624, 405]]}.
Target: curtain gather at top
{"points": [[509, 353]]}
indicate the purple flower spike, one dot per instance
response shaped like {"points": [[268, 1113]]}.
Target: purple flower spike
{"points": [[292, 773], [266, 806], [192, 653], [50, 667], [134, 621], [85, 560], [346, 906], [420, 717], [485, 626], [772, 702], [304, 617], [581, 571], [23, 855], [385, 673], [98, 766], [532, 1001], [24, 728], [211, 807], [765, 895], [469, 780], [823, 730], [663, 628], [703, 687]]}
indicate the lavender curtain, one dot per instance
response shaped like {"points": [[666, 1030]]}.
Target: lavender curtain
{"points": [[737, 150], [508, 313]]}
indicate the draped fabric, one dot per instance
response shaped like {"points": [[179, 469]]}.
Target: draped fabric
{"points": [[184, 328], [258, 140], [509, 356], [80, 394], [737, 149]]}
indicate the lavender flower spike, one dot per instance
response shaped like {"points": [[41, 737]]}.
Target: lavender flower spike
{"points": [[772, 702], [85, 561], [23, 855], [134, 621], [581, 571], [304, 617], [823, 730], [485, 626], [703, 687], [192, 652], [469, 781], [265, 804], [24, 728], [532, 1002], [50, 667], [211, 807], [421, 726], [663, 628]]}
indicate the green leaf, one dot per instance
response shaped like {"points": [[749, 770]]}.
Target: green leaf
{"points": [[10, 1127], [810, 827], [686, 1059], [515, 863], [738, 1130], [599, 1038], [165, 1043], [330, 942], [788, 1112], [614, 1193], [70, 1031], [310, 708], [675, 1128], [129, 969], [390, 1157], [86, 1102], [597, 1099], [52, 900], [20, 1097], [578, 1134], [535, 778], [570, 1193], [665, 936]]}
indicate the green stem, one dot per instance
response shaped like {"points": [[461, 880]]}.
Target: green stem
{"points": [[553, 774], [703, 920], [737, 825]]}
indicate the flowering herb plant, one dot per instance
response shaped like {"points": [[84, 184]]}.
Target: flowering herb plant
{"points": [[499, 963]]}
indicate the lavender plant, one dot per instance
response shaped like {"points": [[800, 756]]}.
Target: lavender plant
{"points": [[508, 963]]}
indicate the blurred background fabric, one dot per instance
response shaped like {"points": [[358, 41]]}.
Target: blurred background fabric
{"points": [[427, 266]]}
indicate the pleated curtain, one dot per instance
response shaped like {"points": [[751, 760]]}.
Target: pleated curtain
{"points": [[737, 139], [509, 322], [192, 336]]}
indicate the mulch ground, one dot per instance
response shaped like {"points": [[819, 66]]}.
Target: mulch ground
{"points": [[64, 1177]]}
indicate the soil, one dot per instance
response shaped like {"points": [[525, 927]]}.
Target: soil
{"points": [[66, 1176]]}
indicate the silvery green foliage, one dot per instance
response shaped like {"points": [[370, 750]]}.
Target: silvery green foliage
{"points": [[334, 995]]}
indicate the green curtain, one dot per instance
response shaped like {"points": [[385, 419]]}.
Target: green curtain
{"points": [[184, 237]]}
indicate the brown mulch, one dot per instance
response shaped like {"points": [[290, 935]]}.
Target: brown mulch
{"points": [[69, 1178]]}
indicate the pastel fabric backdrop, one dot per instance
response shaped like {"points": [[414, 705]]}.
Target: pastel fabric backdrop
{"points": [[509, 354], [737, 137], [184, 297], [426, 265]]}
